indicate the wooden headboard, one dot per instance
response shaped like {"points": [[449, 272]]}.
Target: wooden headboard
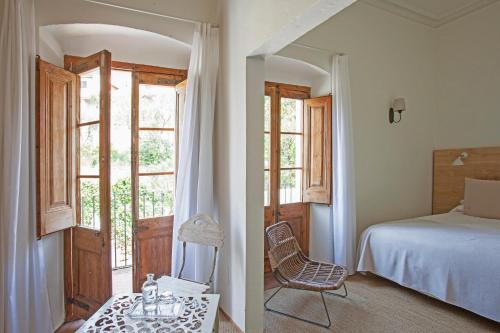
{"points": [[449, 180]]}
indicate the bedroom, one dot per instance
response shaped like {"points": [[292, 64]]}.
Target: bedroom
{"points": [[444, 67], [441, 57]]}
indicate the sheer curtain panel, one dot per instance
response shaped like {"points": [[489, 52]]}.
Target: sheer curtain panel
{"points": [[194, 191], [344, 200], [24, 305]]}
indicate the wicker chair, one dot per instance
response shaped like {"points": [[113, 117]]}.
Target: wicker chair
{"points": [[294, 270]]}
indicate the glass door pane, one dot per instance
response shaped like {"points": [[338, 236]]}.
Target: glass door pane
{"points": [[156, 150], [267, 150], [90, 203], [156, 196], [291, 131], [157, 106], [90, 89], [89, 149], [290, 186], [291, 115]]}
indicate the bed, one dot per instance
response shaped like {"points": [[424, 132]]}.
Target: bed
{"points": [[450, 256]]}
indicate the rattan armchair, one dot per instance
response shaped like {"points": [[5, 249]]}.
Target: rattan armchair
{"points": [[294, 270]]}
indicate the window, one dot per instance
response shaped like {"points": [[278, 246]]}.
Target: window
{"points": [[297, 146], [283, 143]]}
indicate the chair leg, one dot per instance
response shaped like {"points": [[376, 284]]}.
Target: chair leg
{"points": [[338, 295], [298, 318]]}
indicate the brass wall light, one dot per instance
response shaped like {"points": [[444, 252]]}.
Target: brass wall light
{"points": [[398, 105]]}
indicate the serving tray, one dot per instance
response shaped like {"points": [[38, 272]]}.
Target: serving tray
{"points": [[166, 309]]}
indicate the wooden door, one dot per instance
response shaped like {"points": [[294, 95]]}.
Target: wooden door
{"points": [[154, 119], [283, 160], [55, 148], [87, 246]]}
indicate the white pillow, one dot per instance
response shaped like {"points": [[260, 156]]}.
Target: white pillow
{"points": [[458, 209], [482, 198]]}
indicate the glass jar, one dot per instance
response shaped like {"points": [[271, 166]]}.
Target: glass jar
{"points": [[150, 294]]}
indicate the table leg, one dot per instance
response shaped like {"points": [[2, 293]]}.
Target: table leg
{"points": [[216, 323]]}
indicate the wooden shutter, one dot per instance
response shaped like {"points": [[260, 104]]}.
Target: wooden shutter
{"points": [[55, 143], [317, 178]]}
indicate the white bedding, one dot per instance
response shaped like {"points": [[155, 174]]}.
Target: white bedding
{"points": [[453, 257]]}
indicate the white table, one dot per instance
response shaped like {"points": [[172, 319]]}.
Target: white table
{"points": [[200, 312]]}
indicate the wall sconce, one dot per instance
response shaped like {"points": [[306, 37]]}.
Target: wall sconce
{"points": [[398, 105], [459, 161]]}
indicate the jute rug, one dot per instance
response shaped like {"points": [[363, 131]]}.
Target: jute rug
{"points": [[374, 305]]}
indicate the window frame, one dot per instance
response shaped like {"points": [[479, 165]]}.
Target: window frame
{"points": [[160, 79], [277, 91]]}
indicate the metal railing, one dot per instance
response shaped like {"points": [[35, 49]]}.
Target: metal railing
{"points": [[121, 234], [151, 204]]}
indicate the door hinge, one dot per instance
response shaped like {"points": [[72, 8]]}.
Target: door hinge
{"points": [[77, 303]]}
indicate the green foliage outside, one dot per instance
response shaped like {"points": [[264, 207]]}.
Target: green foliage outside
{"points": [[288, 142]]}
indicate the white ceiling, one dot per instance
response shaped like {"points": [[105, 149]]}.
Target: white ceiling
{"points": [[293, 71], [431, 12], [125, 44], [289, 65]]}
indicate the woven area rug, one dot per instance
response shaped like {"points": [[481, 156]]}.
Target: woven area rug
{"points": [[374, 305]]}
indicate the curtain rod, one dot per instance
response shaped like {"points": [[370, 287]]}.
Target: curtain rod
{"points": [[182, 19]]}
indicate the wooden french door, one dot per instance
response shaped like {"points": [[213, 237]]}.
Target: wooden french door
{"points": [[155, 118], [87, 257], [283, 166]]}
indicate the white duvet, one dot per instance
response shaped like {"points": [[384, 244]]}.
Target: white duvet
{"points": [[453, 257]]}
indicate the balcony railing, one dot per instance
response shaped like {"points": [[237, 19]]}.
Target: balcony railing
{"points": [[151, 204], [121, 233]]}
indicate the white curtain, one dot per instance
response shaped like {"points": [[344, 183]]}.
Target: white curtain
{"points": [[194, 192], [343, 210], [24, 305]]}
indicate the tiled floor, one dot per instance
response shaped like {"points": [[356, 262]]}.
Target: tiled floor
{"points": [[122, 280]]}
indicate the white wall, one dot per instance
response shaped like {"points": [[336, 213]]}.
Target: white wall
{"points": [[449, 77], [389, 57], [292, 71], [125, 44], [469, 81], [50, 12], [247, 25]]}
